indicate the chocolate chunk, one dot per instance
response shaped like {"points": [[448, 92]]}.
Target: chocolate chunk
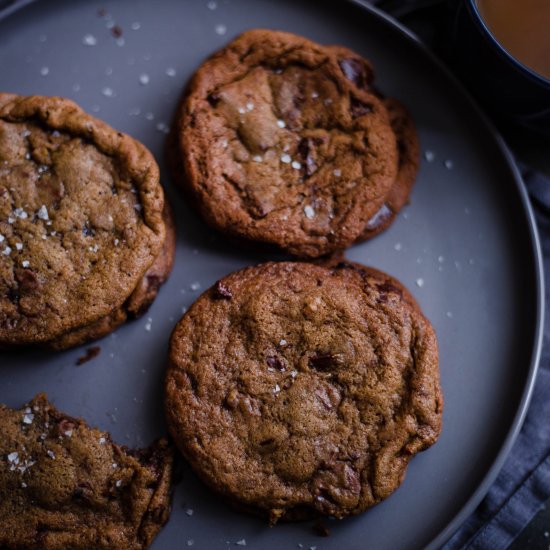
{"points": [[322, 362], [354, 70], [223, 291], [275, 363], [213, 99], [88, 230], [28, 282], [382, 216], [358, 108], [388, 287], [305, 149]]}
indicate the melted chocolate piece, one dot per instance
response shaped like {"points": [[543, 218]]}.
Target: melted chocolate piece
{"points": [[223, 291], [28, 282], [305, 148], [275, 363], [354, 70], [382, 216], [358, 108]]}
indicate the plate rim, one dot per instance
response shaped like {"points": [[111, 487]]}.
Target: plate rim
{"points": [[535, 252]]}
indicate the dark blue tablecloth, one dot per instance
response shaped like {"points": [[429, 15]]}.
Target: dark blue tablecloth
{"points": [[523, 484]]}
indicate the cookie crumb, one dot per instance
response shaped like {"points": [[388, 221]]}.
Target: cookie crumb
{"points": [[90, 354], [321, 529]]}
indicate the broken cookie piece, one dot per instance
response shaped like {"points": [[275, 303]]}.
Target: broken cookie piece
{"points": [[66, 485]]}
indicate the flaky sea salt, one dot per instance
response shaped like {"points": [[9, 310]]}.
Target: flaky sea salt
{"points": [[296, 165], [108, 92], [51, 454], [220, 29], [144, 79], [43, 213], [309, 212], [277, 388], [420, 282], [286, 159], [102, 441], [13, 458], [281, 123], [27, 417], [170, 71], [19, 246], [20, 213], [89, 40], [337, 172]]}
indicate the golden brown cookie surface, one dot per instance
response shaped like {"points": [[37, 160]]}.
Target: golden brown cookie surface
{"points": [[282, 141], [81, 218], [297, 389], [66, 485]]}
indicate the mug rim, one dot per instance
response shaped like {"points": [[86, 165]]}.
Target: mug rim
{"points": [[510, 58]]}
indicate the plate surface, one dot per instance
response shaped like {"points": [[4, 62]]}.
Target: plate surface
{"points": [[466, 247]]}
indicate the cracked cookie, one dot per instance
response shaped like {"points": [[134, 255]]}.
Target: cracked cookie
{"points": [[66, 485], [283, 141], [86, 237], [297, 390]]}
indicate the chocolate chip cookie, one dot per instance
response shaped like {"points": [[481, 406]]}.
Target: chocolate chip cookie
{"points": [[296, 389], [283, 141], [66, 485], [86, 237]]}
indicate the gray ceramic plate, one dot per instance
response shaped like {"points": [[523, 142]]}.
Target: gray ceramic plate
{"points": [[466, 247]]}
